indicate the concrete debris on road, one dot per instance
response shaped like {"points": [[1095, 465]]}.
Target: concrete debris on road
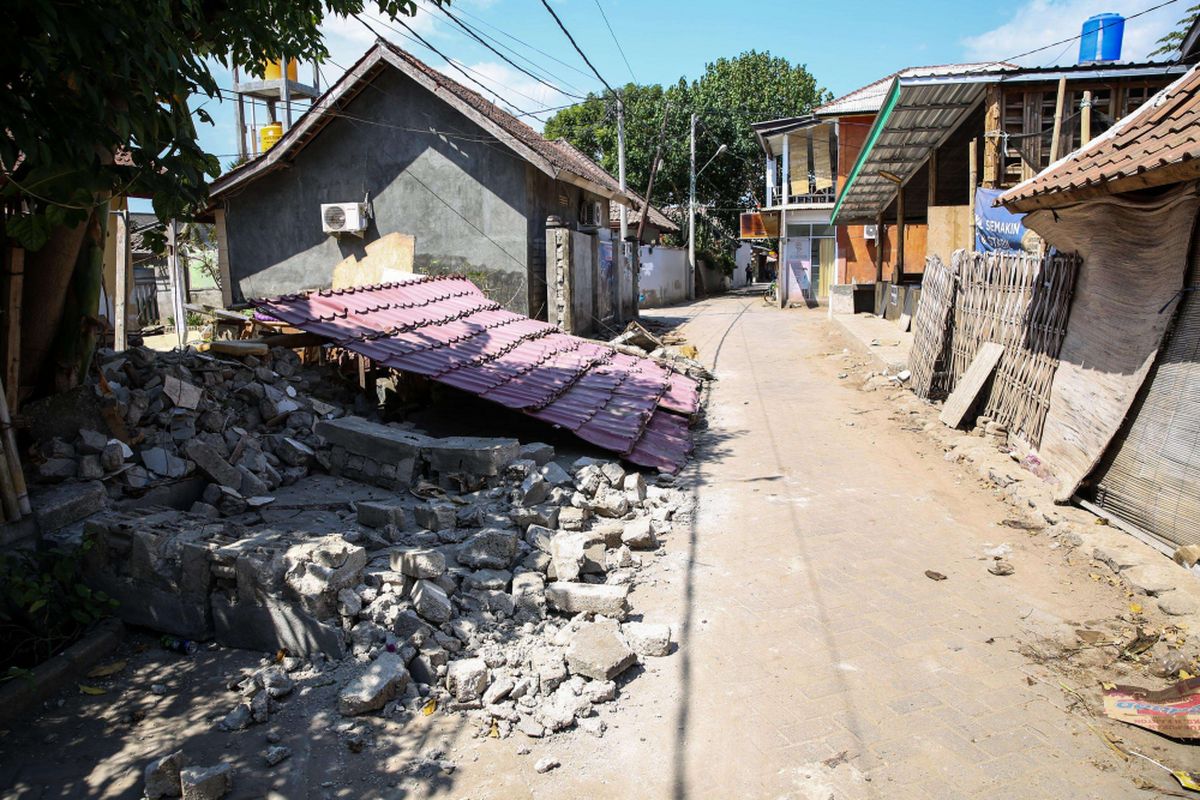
{"points": [[471, 575]]}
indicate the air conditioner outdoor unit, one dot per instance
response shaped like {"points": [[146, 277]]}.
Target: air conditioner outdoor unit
{"points": [[591, 217], [339, 218], [870, 232]]}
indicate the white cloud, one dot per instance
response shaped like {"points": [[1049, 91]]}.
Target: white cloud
{"points": [[1036, 23]]}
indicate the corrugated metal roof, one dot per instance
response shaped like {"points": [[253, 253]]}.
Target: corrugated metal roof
{"points": [[443, 327], [1156, 145], [869, 99], [917, 116]]}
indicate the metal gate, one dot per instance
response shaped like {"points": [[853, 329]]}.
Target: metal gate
{"points": [[1151, 475]]}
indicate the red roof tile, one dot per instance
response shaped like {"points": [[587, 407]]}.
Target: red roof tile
{"points": [[446, 329], [1133, 154]]}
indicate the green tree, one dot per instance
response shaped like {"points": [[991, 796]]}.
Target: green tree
{"points": [[95, 103], [732, 94], [1170, 44]]}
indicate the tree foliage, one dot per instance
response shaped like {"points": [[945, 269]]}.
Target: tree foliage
{"points": [[95, 95], [732, 94], [1170, 44]]}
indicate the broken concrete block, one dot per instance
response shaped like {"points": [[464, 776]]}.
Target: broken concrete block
{"points": [[1187, 556], [57, 469], [162, 776], [589, 479], [59, 507], [268, 626], [537, 452], [556, 475], [545, 515], [377, 514], [572, 598], [91, 442], [472, 455], [488, 579], [432, 602], [637, 535], [162, 462], [182, 394], [600, 691], [425, 563], [491, 547], [89, 468], [293, 452], [206, 783], [533, 490], [212, 464], [276, 754], [647, 638], [498, 690], [598, 652], [436, 516], [609, 502], [566, 555], [573, 519], [374, 687], [539, 537], [370, 439], [113, 456], [529, 593], [635, 487], [466, 679], [613, 472]]}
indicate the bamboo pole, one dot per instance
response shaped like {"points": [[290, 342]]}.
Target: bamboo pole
{"points": [[12, 355], [13, 455], [973, 178], [8, 493]]}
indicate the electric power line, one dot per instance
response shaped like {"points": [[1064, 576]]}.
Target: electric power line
{"points": [[617, 43], [506, 59], [582, 55], [523, 43], [461, 68]]}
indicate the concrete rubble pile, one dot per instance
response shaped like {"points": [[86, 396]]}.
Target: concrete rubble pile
{"points": [[219, 431], [463, 574]]}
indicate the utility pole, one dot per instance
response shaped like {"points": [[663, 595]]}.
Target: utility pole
{"points": [[624, 211], [662, 131], [691, 276]]}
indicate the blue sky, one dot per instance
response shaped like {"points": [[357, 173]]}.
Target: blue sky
{"points": [[844, 44]]}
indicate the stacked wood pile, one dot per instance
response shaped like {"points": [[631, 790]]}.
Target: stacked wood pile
{"points": [[1016, 300]]}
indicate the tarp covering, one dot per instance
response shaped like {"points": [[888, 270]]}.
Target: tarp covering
{"points": [[446, 329], [1134, 260]]}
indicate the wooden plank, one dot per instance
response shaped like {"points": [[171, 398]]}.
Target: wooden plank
{"points": [[1055, 144], [963, 398]]}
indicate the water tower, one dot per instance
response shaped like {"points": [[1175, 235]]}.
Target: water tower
{"points": [[279, 89]]}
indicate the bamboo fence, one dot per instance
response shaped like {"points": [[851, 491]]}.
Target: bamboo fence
{"points": [[1021, 302], [929, 360]]}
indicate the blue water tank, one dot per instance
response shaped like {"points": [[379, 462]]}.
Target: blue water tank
{"points": [[1101, 40]]}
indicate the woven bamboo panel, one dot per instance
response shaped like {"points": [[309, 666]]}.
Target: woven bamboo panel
{"points": [[929, 358], [1020, 302]]}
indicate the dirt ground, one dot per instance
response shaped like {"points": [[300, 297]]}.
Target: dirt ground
{"points": [[815, 659]]}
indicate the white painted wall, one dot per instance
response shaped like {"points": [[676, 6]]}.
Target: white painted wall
{"points": [[663, 277]]}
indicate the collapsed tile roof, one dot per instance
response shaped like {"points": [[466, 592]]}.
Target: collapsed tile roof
{"points": [[446, 329], [1157, 144]]}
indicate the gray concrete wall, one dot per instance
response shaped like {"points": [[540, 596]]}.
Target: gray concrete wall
{"points": [[466, 199]]}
